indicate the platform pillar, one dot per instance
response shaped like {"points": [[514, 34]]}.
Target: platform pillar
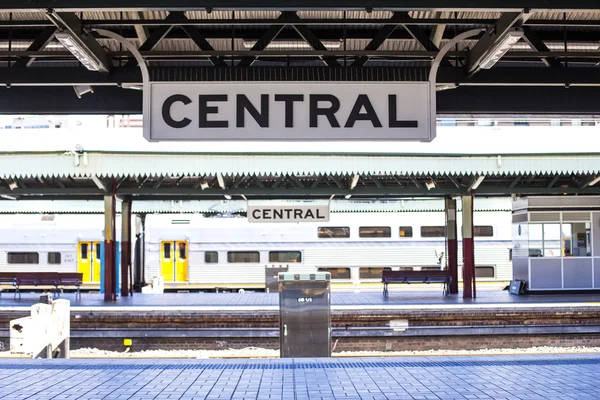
{"points": [[110, 247], [125, 247], [452, 243], [468, 248]]}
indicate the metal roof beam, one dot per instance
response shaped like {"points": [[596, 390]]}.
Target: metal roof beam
{"points": [[265, 39], [380, 37], [140, 29], [158, 34], [491, 37], [420, 36], [533, 39], [476, 5], [71, 23], [202, 43], [314, 42], [38, 44]]}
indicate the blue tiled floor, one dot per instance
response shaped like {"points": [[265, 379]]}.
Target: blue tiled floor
{"points": [[397, 297], [526, 377]]}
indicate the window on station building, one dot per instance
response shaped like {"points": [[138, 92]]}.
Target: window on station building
{"points": [[375, 231], [483, 231], [576, 239], [326, 232], [544, 240], [54, 258], [433, 231], [337, 273], [285, 257], [406, 231], [23, 258], [246, 257], [211, 257]]}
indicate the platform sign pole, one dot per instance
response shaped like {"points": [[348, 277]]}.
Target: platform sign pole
{"points": [[125, 246], [452, 243], [110, 246], [468, 247]]}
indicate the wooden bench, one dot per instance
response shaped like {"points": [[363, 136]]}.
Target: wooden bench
{"points": [[56, 279], [409, 277]]}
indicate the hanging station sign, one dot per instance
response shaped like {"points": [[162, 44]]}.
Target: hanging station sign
{"points": [[291, 213], [283, 111]]}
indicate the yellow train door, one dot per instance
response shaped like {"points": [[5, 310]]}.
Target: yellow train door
{"points": [[181, 263], [174, 261], [96, 261], [84, 260]]}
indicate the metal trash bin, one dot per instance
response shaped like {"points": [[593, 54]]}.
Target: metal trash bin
{"points": [[272, 276], [304, 315]]}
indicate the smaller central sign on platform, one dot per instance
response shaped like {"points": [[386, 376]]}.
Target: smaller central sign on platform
{"points": [[193, 111], [291, 213]]}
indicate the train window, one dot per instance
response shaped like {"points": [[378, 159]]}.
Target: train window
{"points": [[211, 257], [405, 268], [243, 257], [375, 231], [84, 251], [372, 273], [334, 232], [23, 258], [285, 256], [167, 251], [433, 231], [182, 251], [98, 251], [483, 231], [484, 272], [53, 258], [337, 273], [406, 231]]}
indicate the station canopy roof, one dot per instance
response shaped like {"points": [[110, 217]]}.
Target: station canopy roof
{"points": [[306, 40], [500, 161]]}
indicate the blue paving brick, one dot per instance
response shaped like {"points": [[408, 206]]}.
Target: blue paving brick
{"points": [[547, 377]]}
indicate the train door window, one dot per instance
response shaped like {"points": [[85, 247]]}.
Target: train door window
{"points": [[285, 257], [167, 250], [211, 257], [246, 257], [375, 231], [372, 273], [53, 258], [433, 231], [182, 251], [325, 232], [337, 273], [483, 231], [98, 251], [84, 251], [406, 231], [23, 258]]}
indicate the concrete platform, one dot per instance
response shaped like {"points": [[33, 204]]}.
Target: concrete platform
{"points": [[398, 299], [529, 377]]}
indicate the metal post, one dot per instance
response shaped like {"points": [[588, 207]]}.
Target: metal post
{"points": [[468, 247], [125, 246], [110, 259], [452, 243]]}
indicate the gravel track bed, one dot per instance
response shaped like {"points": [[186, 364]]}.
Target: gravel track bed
{"points": [[255, 352]]}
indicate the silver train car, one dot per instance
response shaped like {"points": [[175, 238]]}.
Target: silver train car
{"points": [[194, 252]]}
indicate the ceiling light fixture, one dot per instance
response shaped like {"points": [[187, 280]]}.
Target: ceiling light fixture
{"points": [[500, 48], [8, 197], [81, 90], [76, 47], [596, 180]]}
